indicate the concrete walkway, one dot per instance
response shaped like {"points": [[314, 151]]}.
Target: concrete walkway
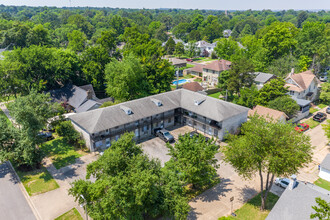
{"points": [[56, 202]]}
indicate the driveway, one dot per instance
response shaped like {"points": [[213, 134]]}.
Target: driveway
{"points": [[13, 204]]}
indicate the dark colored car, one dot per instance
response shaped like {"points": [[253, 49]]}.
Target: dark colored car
{"points": [[302, 127], [320, 116], [196, 134], [328, 110], [165, 135], [46, 135]]}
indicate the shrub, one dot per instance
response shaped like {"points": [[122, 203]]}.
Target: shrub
{"points": [[66, 130]]}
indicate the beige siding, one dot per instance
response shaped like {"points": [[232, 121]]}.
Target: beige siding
{"points": [[85, 136]]}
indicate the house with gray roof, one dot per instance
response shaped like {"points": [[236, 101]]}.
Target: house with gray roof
{"points": [[296, 202], [325, 168], [142, 116], [262, 78]]}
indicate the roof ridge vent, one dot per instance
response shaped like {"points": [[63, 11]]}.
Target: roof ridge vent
{"points": [[157, 102], [127, 110], [200, 101]]}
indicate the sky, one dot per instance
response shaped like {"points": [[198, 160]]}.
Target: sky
{"points": [[186, 4]]}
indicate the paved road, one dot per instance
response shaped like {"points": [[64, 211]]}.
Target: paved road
{"points": [[13, 204]]}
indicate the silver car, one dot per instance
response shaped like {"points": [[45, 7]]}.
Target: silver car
{"points": [[282, 182]]}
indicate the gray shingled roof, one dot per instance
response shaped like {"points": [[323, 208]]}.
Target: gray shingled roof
{"points": [[263, 77], [297, 204], [112, 116], [301, 102], [326, 162], [86, 106], [72, 94]]}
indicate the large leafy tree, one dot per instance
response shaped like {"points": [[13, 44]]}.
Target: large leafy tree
{"points": [[129, 186], [38, 35], [226, 48], [126, 80], [194, 159], [282, 66], [271, 90], [285, 104], [248, 96], [326, 128], [77, 41], [170, 46], [179, 49], [240, 75], [325, 93], [267, 149]]}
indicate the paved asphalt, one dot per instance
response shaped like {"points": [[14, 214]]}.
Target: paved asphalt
{"points": [[13, 204]]}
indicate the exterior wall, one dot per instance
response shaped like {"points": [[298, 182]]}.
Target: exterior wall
{"points": [[302, 95], [324, 174], [85, 135], [210, 76], [232, 124]]}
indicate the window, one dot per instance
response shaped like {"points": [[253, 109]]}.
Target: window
{"points": [[210, 131], [169, 120], [117, 137], [136, 132], [99, 144], [107, 142], [107, 131], [291, 92]]}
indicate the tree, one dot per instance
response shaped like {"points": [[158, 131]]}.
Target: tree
{"points": [[170, 46], [38, 36], [304, 63], [240, 75], [302, 16], [285, 104], [223, 80], [326, 128], [282, 66], [77, 41], [179, 49], [126, 80], [325, 93], [108, 40], [112, 196], [226, 48], [322, 209], [66, 130], [248, 96], [191, 50], [271, 90], [269, 149], [194, 159]]}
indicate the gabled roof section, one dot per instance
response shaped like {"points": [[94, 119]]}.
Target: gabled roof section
{"points": [[71, 94], [263, 77], [101, 119], [87, 106], [197, 68], [302, 80], [193, 86], [267, 112], [218, 65]]}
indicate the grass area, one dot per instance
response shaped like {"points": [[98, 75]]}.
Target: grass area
{"points": [[2, 115], [215, 95], [322, 106], [322, 183], [60, 152], [251, 209], [312, 110], [37, 181], [188, 76], [73, 214], [189, 65], [312, 124], [198, 80]]}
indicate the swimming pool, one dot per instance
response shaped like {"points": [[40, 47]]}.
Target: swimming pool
{"points": [[181, 81]]}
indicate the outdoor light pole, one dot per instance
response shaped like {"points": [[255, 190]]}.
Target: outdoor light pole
{"points": [[85, 204], [177, 77]]}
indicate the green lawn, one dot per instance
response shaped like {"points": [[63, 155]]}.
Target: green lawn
{"points": [[312, 124], [312, 110], [215, 95], [37, 181], [2, 115], [251, 209], [61, 153], [189, 65], [322, 106], [198, 80], [322, 183], [73, 214]]}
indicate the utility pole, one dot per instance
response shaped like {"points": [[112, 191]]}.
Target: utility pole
{"points": [[177, 78]]}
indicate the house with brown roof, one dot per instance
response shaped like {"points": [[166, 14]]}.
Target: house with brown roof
{"points": [[193, 86], [196, 70], [268, 113], [212, 71], [303, 85]]}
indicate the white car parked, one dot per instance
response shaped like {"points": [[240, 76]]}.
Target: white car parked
{"points": [[282, 182]]}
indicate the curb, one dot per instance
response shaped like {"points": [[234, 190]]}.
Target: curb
{"points": [[26, 195]]}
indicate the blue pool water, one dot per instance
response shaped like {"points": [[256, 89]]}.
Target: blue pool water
{"points": [[181, 81]]}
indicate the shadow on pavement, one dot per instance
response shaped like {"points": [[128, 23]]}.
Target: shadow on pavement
{"points": [[6, 170], [247, 193]]}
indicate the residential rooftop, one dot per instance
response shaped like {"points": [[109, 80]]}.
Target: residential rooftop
{"points": [[267, 112], [101, 119], [326, 162], [263, 77], [301, 80], [218, 65]]}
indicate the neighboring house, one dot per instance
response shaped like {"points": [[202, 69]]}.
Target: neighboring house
{"points": [[175, 40], [179, 107], [212, 71], [325, 168], [196, 70], [205, 48], [178, 63], [304, 109], [296, 202], [227, 33], [193, 86], [262, 78], [268, 113], [76, 99], [303, 85]]}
